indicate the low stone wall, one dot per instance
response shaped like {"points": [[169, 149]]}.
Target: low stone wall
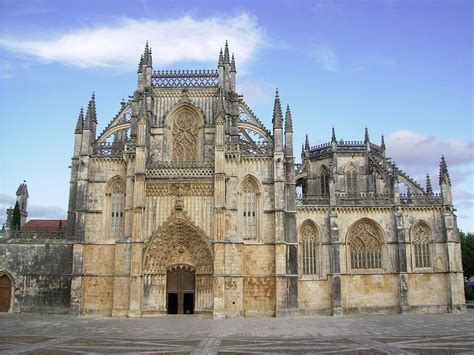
{"points": [[40, 272]]}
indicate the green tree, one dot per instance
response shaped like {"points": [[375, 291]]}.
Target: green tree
{"points": [[16, 217], [467, 248]]}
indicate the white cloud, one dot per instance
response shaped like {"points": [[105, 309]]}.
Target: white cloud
{"points": [[326, 58], [175, 40], [257, 92], [46, 212], [417, 149]]}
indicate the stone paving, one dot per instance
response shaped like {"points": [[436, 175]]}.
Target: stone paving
{"points": [[66, 334]]}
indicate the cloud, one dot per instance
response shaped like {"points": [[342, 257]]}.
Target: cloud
{"points": [[416, 149], [172, 41], [257, 92], [46, 212], [6, 200], [326, 58]]}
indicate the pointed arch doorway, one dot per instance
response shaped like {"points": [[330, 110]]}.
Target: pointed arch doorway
{"points": [[180, 286]]}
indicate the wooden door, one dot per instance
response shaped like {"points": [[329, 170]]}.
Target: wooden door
{"points": [[5, 293], [180, 289]]}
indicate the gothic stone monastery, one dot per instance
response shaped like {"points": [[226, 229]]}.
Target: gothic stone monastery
{"points": [[187, 204]]}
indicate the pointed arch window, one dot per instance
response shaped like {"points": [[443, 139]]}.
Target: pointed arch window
{"points": [[324, 180], [310, 245], [351, 180], [249, 210], [422, 245], [117, 202], [365, 246]]}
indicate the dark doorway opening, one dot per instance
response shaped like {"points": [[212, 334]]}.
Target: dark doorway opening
{"points": [[188, 303], [5, 293], [172, 303], [180, 289]]}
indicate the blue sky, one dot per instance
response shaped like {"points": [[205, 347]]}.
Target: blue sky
{"points": [[401, 68]]}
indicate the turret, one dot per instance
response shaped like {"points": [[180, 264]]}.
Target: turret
{"points": [[145, 68], [233, 71], [78, 133], [366, 139], [333, 139], [89, 128], [277, 123], [445, 183], [22, 199], [429, 189], [288, 133]]}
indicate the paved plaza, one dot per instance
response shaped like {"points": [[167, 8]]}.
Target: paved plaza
{"points": [[66, 334]]}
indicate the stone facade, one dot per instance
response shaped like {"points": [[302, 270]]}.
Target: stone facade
{"points": [[185, 179]]}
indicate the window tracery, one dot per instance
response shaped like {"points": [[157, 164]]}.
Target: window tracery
{"points": [[422, 245], [365, 246], [351, 180], [249, 210], [324, 181], [310, 249], [185, 137], [117, 201]]}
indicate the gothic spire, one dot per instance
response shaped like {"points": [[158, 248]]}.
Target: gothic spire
{"points": [[288, 120], [226, 53], [382, 143], [80, 121], [443, 172], [147, 60], [91, 115], [232, 64], [333, 137], [302, 151], [306, 143], [220, 63], [429, 189], [277, 114], [366, 135]]}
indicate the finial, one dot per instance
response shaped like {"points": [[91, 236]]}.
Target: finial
{"points": [[288, 120], [302, 151], [277, 114], [226, 53], [146, 56], [220, 63], [443, 172], [382, 144], [232, 64], [429, 189], [366, 136], [80, 121], [91, 115], [306, 143], [333, 137]]}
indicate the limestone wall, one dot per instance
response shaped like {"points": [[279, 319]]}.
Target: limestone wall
{"points": [[41, 273]]}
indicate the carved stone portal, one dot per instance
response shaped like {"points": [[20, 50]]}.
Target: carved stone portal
{"points": [[179, 244]]}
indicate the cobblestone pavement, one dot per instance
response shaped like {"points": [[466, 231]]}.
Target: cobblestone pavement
{"points": [[66, 334]]}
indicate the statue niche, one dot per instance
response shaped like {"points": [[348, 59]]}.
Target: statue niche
{"points": [[184, 131]]}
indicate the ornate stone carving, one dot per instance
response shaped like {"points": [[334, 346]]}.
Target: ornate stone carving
{"points": [[365, 246], [179, 243], [185, 130], [182, 187]]}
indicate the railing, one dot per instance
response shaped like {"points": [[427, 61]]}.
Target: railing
{"points": [[182, 169], [58, 234], [364, 199], [106, 149], [187, 78], [312, 200], [420, 199]]}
